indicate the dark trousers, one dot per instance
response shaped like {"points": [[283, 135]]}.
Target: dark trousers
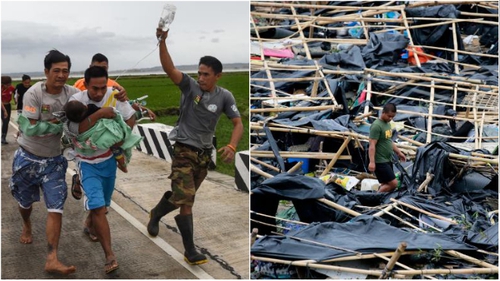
{"points": [[5, 121]]}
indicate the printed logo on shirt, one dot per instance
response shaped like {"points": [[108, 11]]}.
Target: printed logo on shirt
{"points": [[234, 108], [30, 108], [45, 108], [197, 99], [388, 134], [212, 107]]}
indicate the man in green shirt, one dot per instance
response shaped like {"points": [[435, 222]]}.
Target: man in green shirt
{"points": [[381, 148]]}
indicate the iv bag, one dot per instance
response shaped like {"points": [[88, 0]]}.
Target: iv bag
{"points": [[167, 16]]}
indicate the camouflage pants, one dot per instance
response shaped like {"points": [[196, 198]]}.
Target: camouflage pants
{"points": [[189, 169]]}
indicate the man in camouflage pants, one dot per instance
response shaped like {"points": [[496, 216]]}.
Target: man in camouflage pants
{"points": [[202, 103]]}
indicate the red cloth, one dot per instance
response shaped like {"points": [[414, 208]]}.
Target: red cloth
{"points": [[7, 94]]}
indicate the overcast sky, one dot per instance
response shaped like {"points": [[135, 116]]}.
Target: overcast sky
{"points": [[123, 31]]}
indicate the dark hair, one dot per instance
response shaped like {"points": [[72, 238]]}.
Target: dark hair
{"points": [[99, 58], [75, 111], [212, 62], [95, 72], [54, 56], [26, 77], [6, 80], [390, 107]]}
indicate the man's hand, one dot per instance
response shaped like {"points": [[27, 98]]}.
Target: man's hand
{"points": [[402, 157], [107, 112], [227, 154], [371, 167], [122, 94], [161, 35], [54, 121], [151, 114]]}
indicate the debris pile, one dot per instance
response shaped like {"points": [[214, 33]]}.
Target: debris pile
{"points": [[321, 73]]}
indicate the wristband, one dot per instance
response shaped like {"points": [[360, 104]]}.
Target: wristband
{"points": [[232, 147]]}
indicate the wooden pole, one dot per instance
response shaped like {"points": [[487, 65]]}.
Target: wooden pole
{"points": [[336, 157], [470, 259], [368, 93], [290, 154], [390, 265], [431, 112], [339, 207], [259, 171], [476, 124], [426, 182], [424, 211], [455, 47], [295, 167], [264, 164], [403, 266]]}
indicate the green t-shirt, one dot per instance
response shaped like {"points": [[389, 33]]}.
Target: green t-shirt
{"points": [[382, 132]]}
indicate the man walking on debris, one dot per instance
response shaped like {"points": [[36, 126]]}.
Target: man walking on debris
{"points": [[202, 103], [381, 148]]}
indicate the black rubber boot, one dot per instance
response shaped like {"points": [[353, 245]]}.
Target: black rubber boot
{"points": [[162, 208], [191, 256]]}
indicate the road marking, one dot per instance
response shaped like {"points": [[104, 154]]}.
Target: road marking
{"points": [[195, 270]]}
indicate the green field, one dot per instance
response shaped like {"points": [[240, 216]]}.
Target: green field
{"points": [[164, 97]]}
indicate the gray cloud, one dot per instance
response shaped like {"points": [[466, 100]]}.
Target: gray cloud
{"points": [[214, 40], [219, 31]]}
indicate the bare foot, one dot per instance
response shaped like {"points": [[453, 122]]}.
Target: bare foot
{"points": [[56, 266], [110, 265], [26, 237]]}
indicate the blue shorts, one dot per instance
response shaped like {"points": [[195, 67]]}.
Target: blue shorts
{"points": [[31, 172], [98, 182]]}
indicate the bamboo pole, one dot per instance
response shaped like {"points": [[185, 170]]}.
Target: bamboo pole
{"points": [[386, 209], [476, 125], [424, 211], [320, 244], [426, 182], [268, 224], [295, 167], [277, 218], [455, 96], [390, 265], [313, 264], [417, 219], [481, 130], [369, 256], [264, 164], [297, 108], [336, 157], [339, 207], [405, 21], [403, 221], [260, 172], [470, 259], [455, 47], [403, 266], [431, 111], [368, 92], [308, 155], [458, 51], [325, 81]]}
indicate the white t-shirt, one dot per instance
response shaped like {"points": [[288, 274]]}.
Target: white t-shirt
{"points": [[108, 100]]}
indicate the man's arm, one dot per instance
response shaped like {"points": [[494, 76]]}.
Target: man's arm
{"points": [[166, 61], [229, 150], [105, 112], [371, 155], [398, 152]]}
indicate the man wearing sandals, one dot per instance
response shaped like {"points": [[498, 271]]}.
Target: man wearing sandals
{"points": [[98, 169], [202, 103]]}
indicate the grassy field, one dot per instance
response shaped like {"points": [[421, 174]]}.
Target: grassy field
{"points": [[164, 97]]}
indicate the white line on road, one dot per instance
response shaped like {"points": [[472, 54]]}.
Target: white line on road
{"points": [[195, 270]]}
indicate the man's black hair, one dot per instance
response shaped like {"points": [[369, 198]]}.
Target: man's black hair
{"points": [[6, 80], [95, 72], [99, 58], [212, 62], [54, 56], [390, 107], [26, 77]]}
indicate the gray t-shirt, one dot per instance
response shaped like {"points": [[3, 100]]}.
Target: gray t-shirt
{"points": [[201, 111], [39, 105]]}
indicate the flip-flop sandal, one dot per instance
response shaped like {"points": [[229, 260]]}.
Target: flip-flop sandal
{"points": [[91, 236], [76, 188], [110, 266]]}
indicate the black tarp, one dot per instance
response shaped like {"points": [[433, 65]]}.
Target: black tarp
{"points": [[364, 234], [291, 186]]}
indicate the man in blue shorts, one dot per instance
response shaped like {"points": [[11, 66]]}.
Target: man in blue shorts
{"points": [[98, 169], [38, 163], [381, 149]]}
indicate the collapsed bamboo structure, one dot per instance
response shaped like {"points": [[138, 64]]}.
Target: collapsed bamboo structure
{"points": [[276, 92]]}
